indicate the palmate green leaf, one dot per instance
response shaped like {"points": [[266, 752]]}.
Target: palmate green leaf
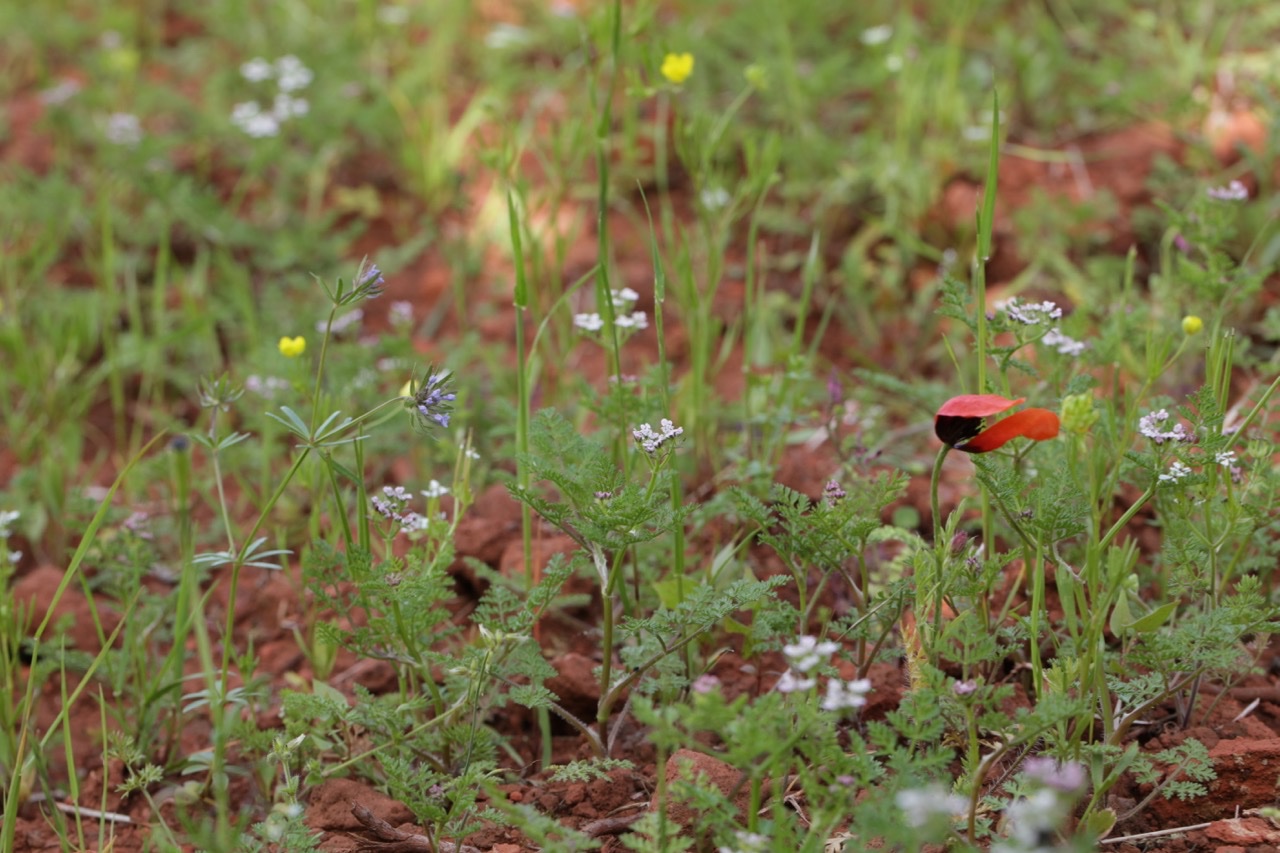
{"points": [[251, 556], [291, 422], [702, 608], [224, 443], [532, 696]]}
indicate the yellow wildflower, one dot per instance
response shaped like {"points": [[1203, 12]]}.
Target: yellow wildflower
{"points": [[677, 67], [1191, 324], [293, 347]]}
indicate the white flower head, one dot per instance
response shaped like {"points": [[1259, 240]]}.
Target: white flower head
{"points": [[791, 683], [1063, 776], [715, 198], [393, 16], [1033, 818], [1176, 472], [651, 441], [265, 386], [400, 313], [504, 36], [1063, 344], [435, 489], [123, 129], [807, 652], [842, 695], [1225, 458], [877, 35], [921, 806], [747, 842], [285, 106], [588, 322], [257, 70], [624, 298], [249, 117], [291, 74]]}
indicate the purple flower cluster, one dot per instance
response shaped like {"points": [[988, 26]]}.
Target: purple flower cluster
{"points": [[433, 400]]}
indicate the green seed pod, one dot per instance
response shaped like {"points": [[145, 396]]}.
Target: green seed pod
{"points": [[1078, 413]]}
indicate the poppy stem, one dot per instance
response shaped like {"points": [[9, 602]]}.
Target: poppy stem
{"points": [[933, 493]]}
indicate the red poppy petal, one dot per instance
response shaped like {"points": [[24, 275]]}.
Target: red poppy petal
{"points": [[977, 405], [1035, 424]]}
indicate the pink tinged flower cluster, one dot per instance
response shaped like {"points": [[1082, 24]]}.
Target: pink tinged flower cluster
{"points": [[1030, 313], [391, 505], [1234, 191], [1064, 776], [650, 441], [1153, 427]]}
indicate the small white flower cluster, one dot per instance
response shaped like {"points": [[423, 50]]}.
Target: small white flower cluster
{"points": [[1031, 820], [1176, 472], [1041, 815], [1225, 458], [842, 695], [1152, 426], [291, 76], [7, 518], [650, 442], [504, 36], [748, 842], [803, 655], [123, 129], [873, 36], [714, 198], [623, 301], [435, 489], [265, 386], [808, 652], [393, 16], [394, 499], [400, 313], [1063, 344], [922, 806], [624, 317], [1032, 313], [61, 92], [1067, 777], [1234, 191]]}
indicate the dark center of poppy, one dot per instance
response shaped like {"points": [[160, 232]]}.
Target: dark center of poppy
{"points": [[956, 429]]}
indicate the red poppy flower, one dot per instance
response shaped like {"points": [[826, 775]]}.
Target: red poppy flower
{"points": [[961, 420]]}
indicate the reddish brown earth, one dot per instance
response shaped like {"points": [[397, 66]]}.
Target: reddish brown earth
{"points": [[1242, 730]]}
